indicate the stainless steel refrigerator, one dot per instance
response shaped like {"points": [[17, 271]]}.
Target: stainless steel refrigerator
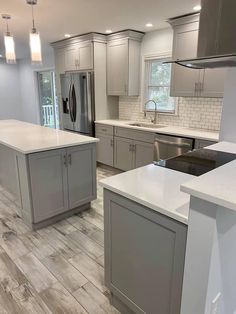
{"points": [[77, 91]]}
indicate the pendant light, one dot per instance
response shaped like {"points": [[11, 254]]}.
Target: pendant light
{"points": [[35, 42], [9, 42]]}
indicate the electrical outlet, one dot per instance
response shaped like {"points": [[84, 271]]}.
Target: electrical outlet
{"points": [[215, 304]]}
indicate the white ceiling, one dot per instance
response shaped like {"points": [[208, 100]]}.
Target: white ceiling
{"points": [[54, 18]]}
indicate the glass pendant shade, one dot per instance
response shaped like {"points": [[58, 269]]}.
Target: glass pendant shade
{"points": [[9, 48], [35, 47]]}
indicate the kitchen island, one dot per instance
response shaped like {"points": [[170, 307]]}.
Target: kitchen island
{"points": [[145, 224], [51, 174]]}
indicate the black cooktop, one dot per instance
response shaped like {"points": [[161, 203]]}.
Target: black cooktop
{"points": [[198, 161]]}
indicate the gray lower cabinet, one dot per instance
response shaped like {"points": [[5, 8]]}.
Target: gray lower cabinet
{"points": [[143, 153], [60, 180], [130, 154], [105, 149], [48, 176], [123, 154], [81, 175], [144, 257]]}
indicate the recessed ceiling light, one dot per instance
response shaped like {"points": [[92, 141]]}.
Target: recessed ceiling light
{"points": [[149, 25], [108, 31], [197, 8], [67, 35]]}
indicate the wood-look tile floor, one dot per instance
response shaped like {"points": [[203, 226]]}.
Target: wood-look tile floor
{"points": [[58, 269]]}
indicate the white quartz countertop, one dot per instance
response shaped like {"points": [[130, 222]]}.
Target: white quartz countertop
{"points": [[154, 187], [171, 130], [217, 186], [30, 138]]}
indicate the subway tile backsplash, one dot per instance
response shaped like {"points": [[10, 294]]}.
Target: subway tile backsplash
{"points": [[200, 113]]}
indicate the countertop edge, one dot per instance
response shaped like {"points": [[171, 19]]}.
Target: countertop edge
{"points": [[178, 217], [120, 123]]}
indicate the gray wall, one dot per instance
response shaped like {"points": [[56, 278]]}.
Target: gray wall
{"points": [[19, 89], [228, 120], [10, 93]]}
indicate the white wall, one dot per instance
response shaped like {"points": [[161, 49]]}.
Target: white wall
{"points": [[10, 94], [29, 87], [157, 42], [228, 121]]}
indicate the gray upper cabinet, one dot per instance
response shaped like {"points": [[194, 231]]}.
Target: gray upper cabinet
{"points": [[183, 80], [192, 82], [144, 251], [48, 176], [81, 175], [123, 63], [79, 57]]}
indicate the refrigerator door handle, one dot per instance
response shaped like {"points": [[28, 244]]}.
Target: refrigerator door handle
{"points": [[70, 103], [74, 103], [89, 97]]}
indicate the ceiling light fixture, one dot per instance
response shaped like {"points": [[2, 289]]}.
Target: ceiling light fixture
{"points": [[197, 8], [67, 35], [149, 25], [108, 31], [35, 42], [9, 42]]}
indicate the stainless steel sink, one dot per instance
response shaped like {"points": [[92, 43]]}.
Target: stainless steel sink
{"points": [[147, 125]]}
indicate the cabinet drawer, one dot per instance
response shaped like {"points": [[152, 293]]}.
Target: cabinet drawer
{"points": [[135, 134], [104, 129]]}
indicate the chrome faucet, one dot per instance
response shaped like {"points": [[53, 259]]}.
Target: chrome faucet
{"points": [[145, 110]]}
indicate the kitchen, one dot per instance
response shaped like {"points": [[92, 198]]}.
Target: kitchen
{"points": [[118, 125]]}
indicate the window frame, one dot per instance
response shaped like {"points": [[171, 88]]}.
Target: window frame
{"points": [[146, 75]]}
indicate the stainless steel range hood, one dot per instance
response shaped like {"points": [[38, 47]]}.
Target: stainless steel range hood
{"points": [[217, 36]]}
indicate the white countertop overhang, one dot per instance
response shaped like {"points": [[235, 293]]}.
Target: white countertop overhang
{"points": [[29, 138]]}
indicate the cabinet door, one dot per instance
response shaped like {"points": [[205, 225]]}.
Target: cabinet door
{"points": [[85, 60], [60, 60], [71, 58], [144, 256], [48, 176], [213, 82], [117, 67], [184, 80], [143, 154], [81, 175], [124, 154], [105, 149]]}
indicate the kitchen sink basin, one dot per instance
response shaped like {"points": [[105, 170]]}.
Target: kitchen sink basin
{"points": [[147, 125]]}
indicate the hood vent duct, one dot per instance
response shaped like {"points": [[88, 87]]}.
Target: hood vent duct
{"points": [[216, 39]]}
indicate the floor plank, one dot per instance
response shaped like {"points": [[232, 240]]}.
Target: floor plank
{"points": [[37, 274], [60, 301], [67, 274], [13, 245], [90, 269]]}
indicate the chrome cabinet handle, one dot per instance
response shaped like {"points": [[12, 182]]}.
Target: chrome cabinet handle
{"points": [[65, 160], [172, 143], [69, 160]]}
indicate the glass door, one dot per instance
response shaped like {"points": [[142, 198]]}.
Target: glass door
{"points": [[47, 99]]}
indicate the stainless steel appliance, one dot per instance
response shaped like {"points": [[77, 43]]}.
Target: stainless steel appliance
{"points": [[197, 162], [216, 41], [78, 102], [167, 146]]}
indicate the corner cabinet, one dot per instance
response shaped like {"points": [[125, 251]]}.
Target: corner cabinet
{"points": [[123, 63], [186, 81], [144, 264]]}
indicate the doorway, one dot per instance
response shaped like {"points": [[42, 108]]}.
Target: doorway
{"points": [[49, 114]]}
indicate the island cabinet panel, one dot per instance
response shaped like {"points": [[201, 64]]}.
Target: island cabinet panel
{"points": [[81, 175], [48, 175], [144, 257]]}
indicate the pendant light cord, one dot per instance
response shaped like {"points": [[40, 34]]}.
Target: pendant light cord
{"points": [[32, 10]]}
